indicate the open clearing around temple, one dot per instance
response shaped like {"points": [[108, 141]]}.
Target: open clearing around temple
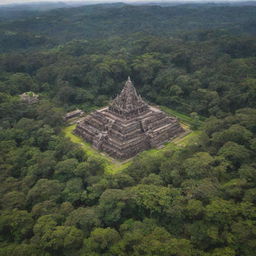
{"points": [[113, 165]]}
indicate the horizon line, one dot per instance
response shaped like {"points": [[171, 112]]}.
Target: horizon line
{"points": [[91, 2]]}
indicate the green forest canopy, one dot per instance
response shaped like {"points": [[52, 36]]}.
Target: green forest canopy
{"points": [[198, 60]]}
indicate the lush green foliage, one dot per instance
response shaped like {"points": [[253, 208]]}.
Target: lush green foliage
{"points": [[198, 199]]}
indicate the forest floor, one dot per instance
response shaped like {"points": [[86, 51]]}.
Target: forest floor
{"points": [[113, 166]]}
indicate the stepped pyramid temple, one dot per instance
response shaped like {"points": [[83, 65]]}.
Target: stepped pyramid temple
{"points": [[127, 126]]}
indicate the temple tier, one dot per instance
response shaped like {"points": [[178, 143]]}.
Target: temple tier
{"points": [[127, 126]]}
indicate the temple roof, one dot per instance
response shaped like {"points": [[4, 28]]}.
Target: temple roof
{"points": [[128, 100]]}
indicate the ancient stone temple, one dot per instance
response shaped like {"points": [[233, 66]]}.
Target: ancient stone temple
{"points": [[127, 126]]}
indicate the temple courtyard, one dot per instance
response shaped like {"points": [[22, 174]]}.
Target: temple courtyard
{"points": [[113, 165]]}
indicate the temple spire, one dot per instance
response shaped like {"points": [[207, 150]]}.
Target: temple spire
{"points": [[129, 90], [128, 100]]}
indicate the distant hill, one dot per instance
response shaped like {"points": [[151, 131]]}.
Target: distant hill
{"points": [[16, 11], [39, 6], [104, 20]]}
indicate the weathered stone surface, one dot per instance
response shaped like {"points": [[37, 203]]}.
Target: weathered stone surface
{"points": [[127, 126], [73, 114], [29, 97]]}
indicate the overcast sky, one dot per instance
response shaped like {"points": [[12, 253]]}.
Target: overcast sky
{"points": [[96, 1]]}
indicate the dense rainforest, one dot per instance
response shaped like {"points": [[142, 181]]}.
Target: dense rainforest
{"points": [[194, 200]]}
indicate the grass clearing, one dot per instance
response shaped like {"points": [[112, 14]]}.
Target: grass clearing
{"points": [[113, 166], [181, 117], [190, 138]]}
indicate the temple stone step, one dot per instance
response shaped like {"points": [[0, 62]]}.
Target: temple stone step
{"points": [[128, 126]]}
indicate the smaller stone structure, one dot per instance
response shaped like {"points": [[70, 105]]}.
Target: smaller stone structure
{"points": [[29, 97], [73, 114]]}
